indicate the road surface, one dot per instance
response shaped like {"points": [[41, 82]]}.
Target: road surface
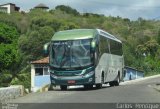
{"points": [[141, 91]]}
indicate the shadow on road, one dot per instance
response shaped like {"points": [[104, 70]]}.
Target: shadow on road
{"points": [[80, 89]]}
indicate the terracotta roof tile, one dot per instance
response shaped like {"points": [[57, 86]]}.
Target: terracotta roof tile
{"points": [[41, 61]]}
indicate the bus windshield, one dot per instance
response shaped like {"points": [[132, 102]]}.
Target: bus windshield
{"points": [[71, 54]]}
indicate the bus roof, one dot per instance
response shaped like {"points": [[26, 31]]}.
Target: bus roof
{"points": [[81, 34], [74, 34], [108, 35]]}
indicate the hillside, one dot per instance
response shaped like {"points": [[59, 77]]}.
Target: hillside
{"points": [[22, 36]]}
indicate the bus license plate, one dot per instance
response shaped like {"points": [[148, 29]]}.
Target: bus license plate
{"points": [[71, 81]]}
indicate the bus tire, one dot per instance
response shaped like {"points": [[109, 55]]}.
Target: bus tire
{"points": [[99, 86], [88, 86], [111, 83], [63, 87], [116, 83]]}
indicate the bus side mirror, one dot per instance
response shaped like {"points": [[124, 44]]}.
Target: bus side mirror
{"points": [[46, 48], [93, 45]]}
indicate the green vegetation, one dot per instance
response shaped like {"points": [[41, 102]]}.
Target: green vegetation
{"points": [[22, 36]]}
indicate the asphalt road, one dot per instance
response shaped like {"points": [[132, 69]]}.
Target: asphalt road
{"points": [[141, 91]]}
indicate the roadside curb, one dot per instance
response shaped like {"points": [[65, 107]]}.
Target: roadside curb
{"points": [[12, 92], [141, 79], [157, 87]]}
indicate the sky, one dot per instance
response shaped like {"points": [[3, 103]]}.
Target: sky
{"points": [[132, 9]]}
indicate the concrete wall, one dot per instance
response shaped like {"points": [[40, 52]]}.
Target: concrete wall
{"points": [[42, 80], [11, 92], [132, 74]]}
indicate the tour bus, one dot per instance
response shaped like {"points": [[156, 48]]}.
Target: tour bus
{"points": [[85, 57]]}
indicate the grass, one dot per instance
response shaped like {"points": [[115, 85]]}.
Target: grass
{"points": [[147, 74]]}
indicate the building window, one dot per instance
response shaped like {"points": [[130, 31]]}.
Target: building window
{"points": [[4, 10], [46, 72], [38, 71]]}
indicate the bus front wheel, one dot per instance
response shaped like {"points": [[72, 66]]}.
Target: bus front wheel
{"points": [[63, 87], [88, 86], [111, 83], [99, 86]]}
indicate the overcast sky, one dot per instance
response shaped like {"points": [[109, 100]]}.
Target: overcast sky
{"points": [[132, 9]]}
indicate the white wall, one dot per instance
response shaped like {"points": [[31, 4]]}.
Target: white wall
{"points": [[38, 81], [32, 76]]}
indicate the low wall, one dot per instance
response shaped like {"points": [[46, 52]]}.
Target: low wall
{"points": [[11, 92]]}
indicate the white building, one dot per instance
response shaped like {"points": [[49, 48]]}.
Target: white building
{"points": [[40, 75], [9, 8]]}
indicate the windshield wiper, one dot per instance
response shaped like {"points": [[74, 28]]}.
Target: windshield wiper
{"points": [[63, 56], [76, 60], [66, 56]]}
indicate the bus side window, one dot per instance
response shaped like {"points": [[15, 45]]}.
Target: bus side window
{"points": [[104, 48], [115, 47]]}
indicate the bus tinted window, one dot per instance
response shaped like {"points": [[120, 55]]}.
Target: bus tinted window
{"points": [[103, 45], [115, 47]]}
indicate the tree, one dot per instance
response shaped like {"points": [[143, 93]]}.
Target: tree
{"points": [[8, 48], [36, 27], [32, 45], [8, 34], [158, 37], [152, 47], [67, 9], [8, 53]]}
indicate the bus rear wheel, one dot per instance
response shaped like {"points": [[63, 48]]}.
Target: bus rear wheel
{"points": [[63, 87], [111, 83], [116, 83]]}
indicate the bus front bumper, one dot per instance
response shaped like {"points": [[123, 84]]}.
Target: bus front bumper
{"points": [[72, 80]]}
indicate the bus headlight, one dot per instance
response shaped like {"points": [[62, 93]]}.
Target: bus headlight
{"points": [[89, 74], [53, 76]]}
